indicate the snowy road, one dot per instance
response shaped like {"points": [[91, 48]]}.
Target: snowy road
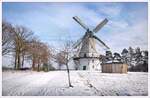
{"points": [[85, 83]]}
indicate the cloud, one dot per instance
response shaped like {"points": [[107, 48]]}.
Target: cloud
{"points": [[135, 35], [53, 22], [111, 10]]}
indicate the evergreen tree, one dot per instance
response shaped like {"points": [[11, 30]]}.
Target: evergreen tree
{"points": [[109, 56], [117, 56], [124, 55], [130, 57], [138, 56]]}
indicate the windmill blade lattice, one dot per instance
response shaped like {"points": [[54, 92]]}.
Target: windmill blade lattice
{"points": [[78, 20], [101, 41], [100, 25]]}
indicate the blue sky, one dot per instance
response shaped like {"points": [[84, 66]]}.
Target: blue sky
{"points": [[53, 23]]}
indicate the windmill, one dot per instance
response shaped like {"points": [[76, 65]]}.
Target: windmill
{"points": [[87, 57]]}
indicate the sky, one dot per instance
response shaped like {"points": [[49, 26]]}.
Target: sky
{"points": [[53, 23]]}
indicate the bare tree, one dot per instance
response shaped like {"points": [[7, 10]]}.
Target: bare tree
{"points": [[7, 34], [40, 54], [14, 39], [21, 38], [46, 56], [33, 49], [66, 54], [60, 59], [20, 41]]}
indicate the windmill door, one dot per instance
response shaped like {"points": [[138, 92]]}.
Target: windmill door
{"points": [[84, 67]]}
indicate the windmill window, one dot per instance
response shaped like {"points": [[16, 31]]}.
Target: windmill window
{"points": [[84, 67], [92, 61], [85, 55]]}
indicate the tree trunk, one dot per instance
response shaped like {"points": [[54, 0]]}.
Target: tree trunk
{"points": [[33, 64], [18, 63], [59, 66], [22, 60], [15, 61], [38, 65], [68, 76]]}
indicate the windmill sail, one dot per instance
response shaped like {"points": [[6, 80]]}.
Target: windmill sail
{"points": [[100, 25], [77, 43], [101, 42], [77, 19], [92, 43], [80, 41]]}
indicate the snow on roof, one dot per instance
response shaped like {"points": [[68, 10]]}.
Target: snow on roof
{"points": [[116, 61], [109, 62], [112, 61]]}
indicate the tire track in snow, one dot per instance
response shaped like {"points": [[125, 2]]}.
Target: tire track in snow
{"points": [[42, 89], [10, 86], [25, 84], [87, 83], [16, 75]]}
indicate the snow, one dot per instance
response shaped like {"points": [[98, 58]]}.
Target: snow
{"points": [[86, 83]]}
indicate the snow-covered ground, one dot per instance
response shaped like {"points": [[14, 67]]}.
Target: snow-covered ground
{"points": [[86, 83]]}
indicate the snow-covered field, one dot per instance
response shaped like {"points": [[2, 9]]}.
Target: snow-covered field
{"points": [[29, 83]]}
